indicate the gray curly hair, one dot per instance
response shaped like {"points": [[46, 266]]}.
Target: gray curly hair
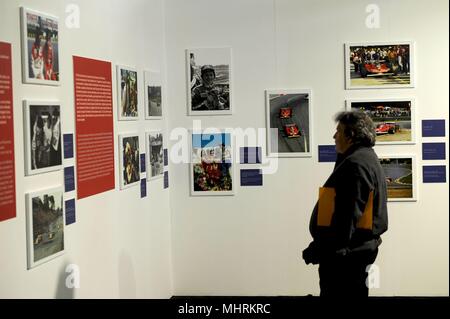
{"points": [[358, 126]]}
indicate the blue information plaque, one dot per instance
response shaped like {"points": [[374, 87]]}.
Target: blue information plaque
{"points": [[327, 153], [142, 162], [166, 180], [250, 155], [69, 179], [251, 177], [433, 128], [435, 174], [433, 151], [166, 157], [143, 187], [68, 145], [70, 211]]}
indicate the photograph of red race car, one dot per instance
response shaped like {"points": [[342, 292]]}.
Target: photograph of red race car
{"points": [[288, 123], [392, 119], [379, 65]]}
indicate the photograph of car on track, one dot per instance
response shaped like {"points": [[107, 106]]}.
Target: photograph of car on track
{"points": [[379, 65], [288, 123], [400, 177], [393, 118]]}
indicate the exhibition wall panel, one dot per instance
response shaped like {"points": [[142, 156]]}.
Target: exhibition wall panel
{"points": [[119, 244], [251, 243]]}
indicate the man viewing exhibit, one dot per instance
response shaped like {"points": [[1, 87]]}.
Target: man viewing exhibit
{"points": [[351, 213]]}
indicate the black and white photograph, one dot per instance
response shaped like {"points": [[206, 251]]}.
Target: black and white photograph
{"points": [[43, 146], [209, 81], [288, 114], [401, 177], [127, 93], [393, 118], [155, 151], [379, 65], [153, 96], [40, 47], [129, 160], [45, 225]]}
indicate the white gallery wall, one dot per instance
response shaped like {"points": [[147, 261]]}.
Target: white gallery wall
{"points": [[120, 242], [170, 243], [251, 243]]}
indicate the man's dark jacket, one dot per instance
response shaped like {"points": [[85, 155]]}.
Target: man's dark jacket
{"points": [[357, 172]]}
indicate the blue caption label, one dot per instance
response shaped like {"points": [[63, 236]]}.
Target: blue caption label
{"points": [[70, 211]]}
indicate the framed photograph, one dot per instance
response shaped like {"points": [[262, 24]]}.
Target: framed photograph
{"points": [[155, 154], [401, 177], [45, 225], [129, 160], [393, 118], [40, 47], [127, 93], [153, 96], [209, 81], [379, 65], [43, 146], [212, 164], [289, 124]]}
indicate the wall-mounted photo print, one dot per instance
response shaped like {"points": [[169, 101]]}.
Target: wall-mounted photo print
{"points": [[40, 48], [288, 114], [43, 147], [212, 165], [401, 177], [45, 225], [155, 151], [379, 65], [393, 118], [129, 160], [127, 93], [153, 96], [209, 81]]}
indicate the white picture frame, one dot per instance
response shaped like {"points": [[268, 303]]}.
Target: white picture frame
{"points": [[205, 144], [43, 144], [289, 124], [40, 47], [394, 118], [129, 160], [216, 100], [45, 225], [154, 143], [153, 93], [127, 79], [397, 168], [379, 65]]}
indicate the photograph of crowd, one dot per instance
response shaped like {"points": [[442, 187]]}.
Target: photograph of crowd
{"points": [[288, 114], [128, 93], [155, 151], [40, 49], [42, 137], [211, 167], [393, 119], [209, 81], [45, 226], [379, 65], [129, 160], [400, 178], [153, 98]]}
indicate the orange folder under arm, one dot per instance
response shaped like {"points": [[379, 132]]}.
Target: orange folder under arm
{"points": [[326, 209]]}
